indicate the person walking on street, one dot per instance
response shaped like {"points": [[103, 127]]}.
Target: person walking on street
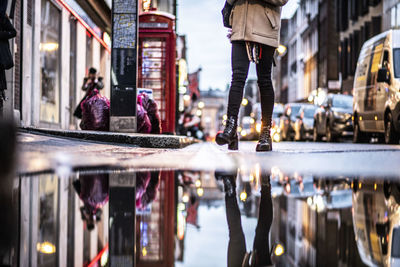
{"points": [[89, 84], [254, 36], [7, 32]]}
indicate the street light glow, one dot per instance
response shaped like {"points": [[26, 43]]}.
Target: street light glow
{"points": [[243, 196], [281, 50], [279, 250], [245, 102], [198, 183], [200, 192]]}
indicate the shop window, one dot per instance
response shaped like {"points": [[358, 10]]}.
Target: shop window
{"points": [[50, 62]]}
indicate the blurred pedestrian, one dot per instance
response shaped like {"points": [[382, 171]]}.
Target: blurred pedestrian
{"points": [[190, 124], [7, 32], [89, 84], [254, 36]]}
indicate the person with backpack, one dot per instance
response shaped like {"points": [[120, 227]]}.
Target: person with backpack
{"points": [[255, 31]]}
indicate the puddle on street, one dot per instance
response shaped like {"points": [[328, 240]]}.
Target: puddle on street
{"points": [[202, 218]]}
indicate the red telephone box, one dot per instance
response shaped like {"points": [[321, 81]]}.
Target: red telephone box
{"points": [[157, 63]]}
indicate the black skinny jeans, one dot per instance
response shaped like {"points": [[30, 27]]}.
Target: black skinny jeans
{"points": [[240, 69], [237, 242]]}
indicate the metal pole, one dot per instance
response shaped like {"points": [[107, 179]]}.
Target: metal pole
{"points": [[124, 65]]}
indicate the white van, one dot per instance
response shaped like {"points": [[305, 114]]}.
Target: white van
{"points": [[376, 102]]}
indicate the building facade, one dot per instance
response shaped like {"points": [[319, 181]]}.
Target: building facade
{"points": [[57, 42], [303, 51], [391, 14], [280, 72], [357, 21]]}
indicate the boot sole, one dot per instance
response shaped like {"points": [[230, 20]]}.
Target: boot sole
{"points": [[221, 141], [261, 149]]}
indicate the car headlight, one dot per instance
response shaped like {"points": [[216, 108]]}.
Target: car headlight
{"points": [[339, 115], [258, 127]]}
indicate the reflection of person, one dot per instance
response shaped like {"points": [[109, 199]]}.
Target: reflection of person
{"points": [[93, 191], [254, 36], [8, 145], [237, 255], [147, 184], [7, 32], [89, 84]]}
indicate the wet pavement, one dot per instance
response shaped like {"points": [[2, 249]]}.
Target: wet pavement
{"points": [[304, 204]]}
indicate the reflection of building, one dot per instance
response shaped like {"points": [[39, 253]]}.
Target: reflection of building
{"points": [[52, 232], [316, 230], [60, 40]]}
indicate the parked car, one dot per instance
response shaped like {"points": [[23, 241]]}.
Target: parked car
{"points": [[276, 114], [376, 89], [288, 119], [247, 130], [334, 118], [304, 124]]}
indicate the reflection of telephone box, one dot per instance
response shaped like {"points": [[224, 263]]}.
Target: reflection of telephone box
{"points": [[157, 63]]}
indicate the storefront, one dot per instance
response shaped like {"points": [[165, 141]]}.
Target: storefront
{"points": [[50, 62], [60, 43]]}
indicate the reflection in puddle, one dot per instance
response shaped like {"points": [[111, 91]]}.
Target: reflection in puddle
{"points": [[200, 218]]}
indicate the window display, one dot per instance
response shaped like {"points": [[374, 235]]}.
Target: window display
{"points": [[50, 63]]}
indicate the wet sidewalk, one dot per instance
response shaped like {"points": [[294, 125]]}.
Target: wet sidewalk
{"points": [[40, 152], [332, 204]]}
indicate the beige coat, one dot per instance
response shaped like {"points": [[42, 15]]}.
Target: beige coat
{"points": [[257, 21]]}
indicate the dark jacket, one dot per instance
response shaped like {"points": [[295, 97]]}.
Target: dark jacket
{"points": [[88, 89], [7, 32]]}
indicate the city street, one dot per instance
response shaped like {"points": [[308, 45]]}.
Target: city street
{"points": [[172, 133]]}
